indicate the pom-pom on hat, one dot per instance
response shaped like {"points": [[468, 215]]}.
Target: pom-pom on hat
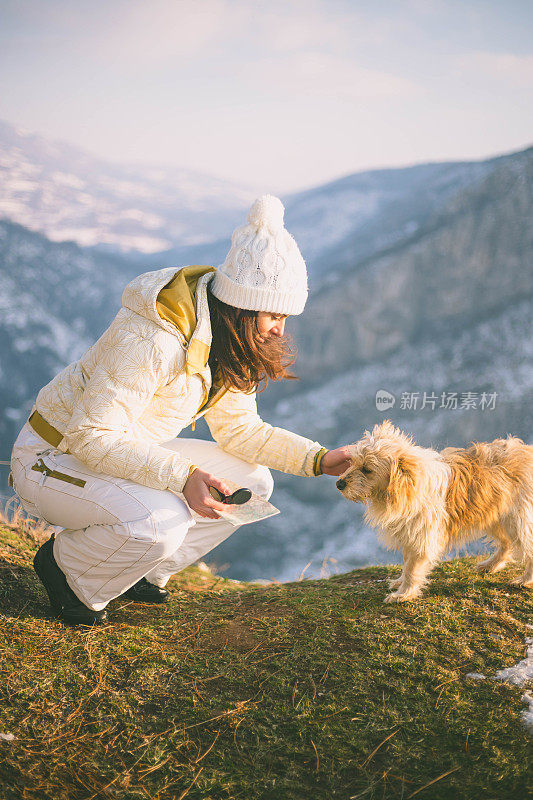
{"points": [[264, 269]]}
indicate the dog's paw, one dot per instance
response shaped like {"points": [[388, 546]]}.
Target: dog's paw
{"points": [[391, 598], [394, 597], [522, 583], [491, 565], [394, 583], [402, 597]]}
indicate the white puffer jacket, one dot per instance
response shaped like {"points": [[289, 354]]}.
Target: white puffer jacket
{"points": [[137, 387]]}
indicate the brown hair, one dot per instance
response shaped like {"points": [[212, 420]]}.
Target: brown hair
{"points": [[245, 362]]}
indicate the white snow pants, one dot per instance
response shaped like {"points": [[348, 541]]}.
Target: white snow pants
{"points": [[113, 532]]}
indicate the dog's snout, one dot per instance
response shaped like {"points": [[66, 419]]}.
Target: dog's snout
{"points": [[341, 483]]}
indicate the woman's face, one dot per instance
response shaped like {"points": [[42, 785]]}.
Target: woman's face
{"points": [[269, 324]]}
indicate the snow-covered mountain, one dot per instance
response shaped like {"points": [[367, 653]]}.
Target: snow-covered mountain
{"points": [[342, 225], [159, 214], [427, 286], [469, 258], [57, 189], [55, 301]]}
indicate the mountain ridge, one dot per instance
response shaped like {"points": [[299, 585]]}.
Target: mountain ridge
{"points": [[66, 193], [446, 306]]}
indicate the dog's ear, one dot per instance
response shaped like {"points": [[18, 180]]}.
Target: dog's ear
{"points": [[388, 430], [403, 481], [385, 428], [381, 427]]}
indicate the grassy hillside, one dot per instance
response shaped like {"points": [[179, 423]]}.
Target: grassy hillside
{"points": [[305, 690]]}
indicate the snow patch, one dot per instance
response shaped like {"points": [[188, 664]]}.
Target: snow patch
{"points": [[521, 674], [527, 716]]}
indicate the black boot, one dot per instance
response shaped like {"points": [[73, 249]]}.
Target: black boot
{"points": [[145, 592], [65, 603]]}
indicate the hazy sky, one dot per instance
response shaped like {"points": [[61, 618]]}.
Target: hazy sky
{"points": [[278, 94]]}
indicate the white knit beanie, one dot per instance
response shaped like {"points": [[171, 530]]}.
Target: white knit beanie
{"points": [[264, 269]]}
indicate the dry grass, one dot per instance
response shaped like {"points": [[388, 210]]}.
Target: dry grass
{"points": [[312, 689]]}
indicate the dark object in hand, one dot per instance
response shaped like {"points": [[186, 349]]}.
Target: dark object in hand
{"points": [[238, 498]]}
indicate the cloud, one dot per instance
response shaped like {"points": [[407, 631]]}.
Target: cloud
{"points": [[319, 25], [325, 74], [156, 32], [516, 70]]}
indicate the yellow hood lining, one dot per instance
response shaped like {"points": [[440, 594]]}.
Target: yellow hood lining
{"points": [[176, 303]]}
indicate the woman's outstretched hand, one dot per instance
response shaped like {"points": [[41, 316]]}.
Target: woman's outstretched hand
{"points": [[335, 462], [198, 497]]}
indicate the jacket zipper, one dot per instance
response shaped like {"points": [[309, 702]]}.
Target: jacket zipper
{"points": [[208, 405]]}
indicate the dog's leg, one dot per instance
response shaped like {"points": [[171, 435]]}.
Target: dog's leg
{"points": [[525, 539], [394, 583], [496, 561], [415, 571], [526, 580], [499, 559], [522, 521]]}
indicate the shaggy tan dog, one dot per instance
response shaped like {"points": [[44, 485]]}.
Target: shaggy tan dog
{"points": [[426, 502]]}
